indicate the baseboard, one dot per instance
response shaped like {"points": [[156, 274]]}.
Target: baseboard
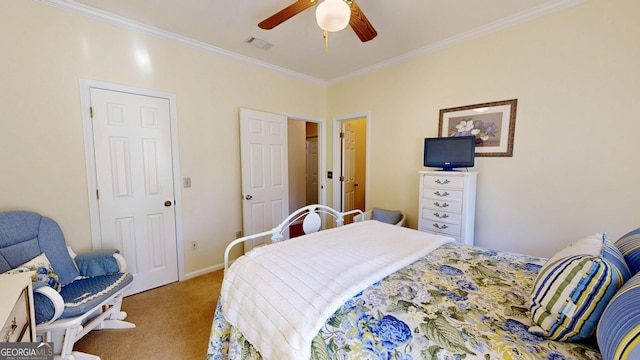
{"points": [[206, 270]]}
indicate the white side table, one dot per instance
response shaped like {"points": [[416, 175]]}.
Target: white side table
{"points": [[16, 308]]}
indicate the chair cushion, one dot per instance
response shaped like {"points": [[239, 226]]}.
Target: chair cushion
{"points": [[18, 238], [81, 295], [25, 235], [629, 245], [86, 293], [386, 216], [53, 244], [573, 288], [618, 332]]}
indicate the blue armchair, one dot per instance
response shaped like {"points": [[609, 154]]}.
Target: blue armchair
{"points": [[72, 294]]}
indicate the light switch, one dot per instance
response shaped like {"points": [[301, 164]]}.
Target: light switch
{"points": [[187, 182]]}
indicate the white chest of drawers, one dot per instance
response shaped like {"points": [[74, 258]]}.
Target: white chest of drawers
{"points": [[16, 308], [447, 204]]}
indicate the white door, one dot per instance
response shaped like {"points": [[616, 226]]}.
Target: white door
{"points": [[312, 171], [348, 167], [134, 172], [264, 164]]}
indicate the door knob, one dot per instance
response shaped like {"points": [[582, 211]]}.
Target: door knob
{"points": [[248, 197], [167, 203]]}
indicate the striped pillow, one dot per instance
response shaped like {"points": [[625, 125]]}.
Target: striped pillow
{"points": [[629, 245], [612, 254], [573, 288], [619, 328]]}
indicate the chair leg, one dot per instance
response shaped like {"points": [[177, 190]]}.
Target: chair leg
{"points": [[114, 320], [106, 316], [63, 341], [117, 324]]}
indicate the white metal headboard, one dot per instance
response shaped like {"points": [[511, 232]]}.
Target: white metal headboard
{"points": [[311, 223]]}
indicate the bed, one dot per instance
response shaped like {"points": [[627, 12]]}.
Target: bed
{"points": [[450, 301]]}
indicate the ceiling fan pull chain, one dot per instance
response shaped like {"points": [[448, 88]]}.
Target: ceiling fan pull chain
{"points": [[325, 35]]}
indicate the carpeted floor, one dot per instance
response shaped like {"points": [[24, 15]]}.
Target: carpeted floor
{"points": [[172, 322]]}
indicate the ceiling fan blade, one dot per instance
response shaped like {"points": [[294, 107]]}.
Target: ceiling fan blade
{"points": [[286, 14], [360, 24]]}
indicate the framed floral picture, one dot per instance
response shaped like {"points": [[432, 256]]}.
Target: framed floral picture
{"points": [[493, 125]]}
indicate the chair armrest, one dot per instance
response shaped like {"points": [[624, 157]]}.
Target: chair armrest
{"points": [[122, 263], [55, 300], [100, 262], [402, 221], [364, 216]]}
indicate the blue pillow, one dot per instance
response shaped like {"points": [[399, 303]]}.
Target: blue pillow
{"points": [[386, 216], [618, 332], [629, 245], [97, 262], [613, 255]]}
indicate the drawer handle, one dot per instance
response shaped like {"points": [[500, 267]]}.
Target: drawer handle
{"points": [[443, 205], [441, 194], [446, 181], [10, 331], [443, 216], [441, 227]]}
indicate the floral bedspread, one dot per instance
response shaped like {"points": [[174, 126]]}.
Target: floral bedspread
{"points": [[459, 302]]}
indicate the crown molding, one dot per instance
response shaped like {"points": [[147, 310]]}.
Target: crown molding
{"points": [[544, 9], [84, 10], [122, 22]]}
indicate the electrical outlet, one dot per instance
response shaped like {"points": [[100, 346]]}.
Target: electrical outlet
{"points": [[194, 245], [238, 234]]}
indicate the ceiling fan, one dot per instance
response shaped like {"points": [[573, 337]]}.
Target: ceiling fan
{"points": [[358, 21]]}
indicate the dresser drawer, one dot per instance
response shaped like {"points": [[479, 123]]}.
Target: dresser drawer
{"points": [[443, 228], [17, 326], [443, 194], [453, 182], [442, 216], [456, 237], [444, 205]]}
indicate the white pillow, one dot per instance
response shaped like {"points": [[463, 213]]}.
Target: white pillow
{"points": [[44, 274], [590, 245]]}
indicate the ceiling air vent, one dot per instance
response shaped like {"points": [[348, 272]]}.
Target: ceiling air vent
{"points": [[259, 43]]}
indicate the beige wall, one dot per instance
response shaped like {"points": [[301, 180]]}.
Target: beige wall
{"points": [[45, 51], [575, 166]]}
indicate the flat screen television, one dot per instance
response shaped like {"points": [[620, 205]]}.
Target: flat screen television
{"points": [[449, 153]]}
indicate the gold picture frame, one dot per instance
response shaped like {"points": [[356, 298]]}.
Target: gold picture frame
{"points": [[493, 125]]}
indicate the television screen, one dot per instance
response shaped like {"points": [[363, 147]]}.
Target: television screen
{"points": [[448, 153]]}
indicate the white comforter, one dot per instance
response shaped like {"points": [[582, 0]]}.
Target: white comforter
{"points": [[280, 295]]}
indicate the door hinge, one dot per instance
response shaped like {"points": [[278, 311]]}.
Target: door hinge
{"points": [[97, 195], [91, 112], [341, 135], [341, 178]]}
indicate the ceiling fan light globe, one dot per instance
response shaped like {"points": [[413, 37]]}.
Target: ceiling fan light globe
{"points": [[333, 15]]}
